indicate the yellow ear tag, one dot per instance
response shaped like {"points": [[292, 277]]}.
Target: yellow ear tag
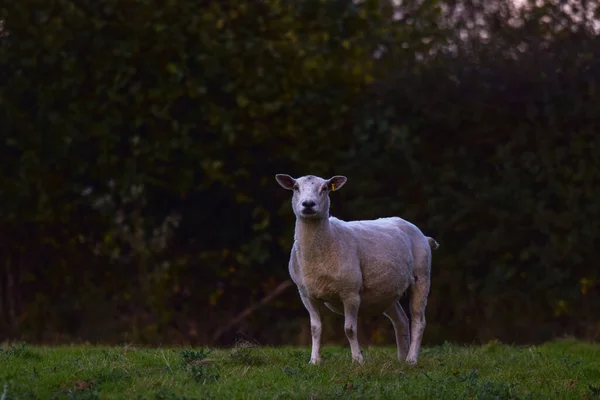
{"points": [[333, 187]]}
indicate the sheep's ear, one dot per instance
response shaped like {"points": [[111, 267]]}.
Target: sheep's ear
{"points": [[286, 181], [336, 182]]}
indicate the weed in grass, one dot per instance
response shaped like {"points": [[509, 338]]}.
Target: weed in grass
{"points": [[290, 371], [299, 355], [199, 367], [569, 362], [302, 373], [190, 356], [593, 392], [470, 377], [492, 391], [247, 354], [204, 373]]}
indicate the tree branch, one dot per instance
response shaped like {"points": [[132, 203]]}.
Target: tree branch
{"points": [[249, 310]]}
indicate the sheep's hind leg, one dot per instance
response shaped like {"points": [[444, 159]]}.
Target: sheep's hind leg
{"points": [[418, 301], [351, 306], [313, 308], [400, 322]]}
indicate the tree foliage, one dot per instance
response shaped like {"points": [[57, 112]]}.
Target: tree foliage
{"points": [[141, 139]]}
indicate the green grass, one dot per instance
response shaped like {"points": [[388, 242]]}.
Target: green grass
{"points": [[563, 369]]}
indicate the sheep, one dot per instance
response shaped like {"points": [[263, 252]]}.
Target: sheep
{"points": [[357, 266]]}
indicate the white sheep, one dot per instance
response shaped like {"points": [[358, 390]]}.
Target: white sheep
{"points": [[357, 266]]}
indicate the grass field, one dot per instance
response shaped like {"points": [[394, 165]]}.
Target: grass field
{"points": [[563, 369]]}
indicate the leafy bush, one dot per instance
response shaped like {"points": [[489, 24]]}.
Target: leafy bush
{"points": [[141, 139]]}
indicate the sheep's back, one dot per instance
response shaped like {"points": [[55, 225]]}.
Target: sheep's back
{"points": [[386, 259]]}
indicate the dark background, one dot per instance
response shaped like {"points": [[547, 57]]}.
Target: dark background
{"points": [[140, 139]]}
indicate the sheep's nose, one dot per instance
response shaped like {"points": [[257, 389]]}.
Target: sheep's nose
{"points": [[308, 204]]}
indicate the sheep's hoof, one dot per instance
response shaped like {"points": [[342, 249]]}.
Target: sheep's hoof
{"points": [[411, 361], [315, 361], [358, 359]]}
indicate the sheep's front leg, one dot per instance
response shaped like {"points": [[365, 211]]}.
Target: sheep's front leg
{"points": [[351, 306], [312, 306]]}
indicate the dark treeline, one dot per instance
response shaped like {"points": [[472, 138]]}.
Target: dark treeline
{"points": [[140, 141]]}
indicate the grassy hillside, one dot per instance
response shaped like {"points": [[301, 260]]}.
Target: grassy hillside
{"points": [[557, 370]]}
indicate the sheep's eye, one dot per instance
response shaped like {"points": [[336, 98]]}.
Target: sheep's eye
{"points": [[323, 189], [296, 188]]}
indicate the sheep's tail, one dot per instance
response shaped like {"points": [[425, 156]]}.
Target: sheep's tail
{"points": [[432, 243]]}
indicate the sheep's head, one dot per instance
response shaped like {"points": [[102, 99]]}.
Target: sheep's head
{"points": [[311, 194]]}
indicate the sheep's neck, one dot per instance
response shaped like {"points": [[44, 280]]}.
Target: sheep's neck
{"points": [[313, 238]]}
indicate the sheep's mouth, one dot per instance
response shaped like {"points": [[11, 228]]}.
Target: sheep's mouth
{"points": [[309, 211]]}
